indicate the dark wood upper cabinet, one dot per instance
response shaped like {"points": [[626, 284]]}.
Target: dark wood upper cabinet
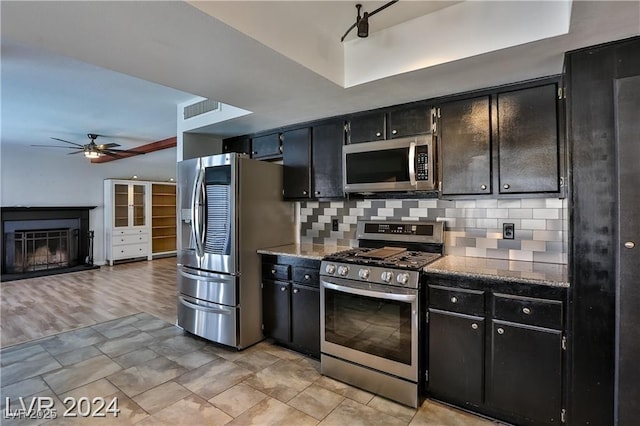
{"points": [[465, 146], [326, 164], [367, 127], [266, 147], [296, 159], [241, 144], [411, 120], [528, 140]]}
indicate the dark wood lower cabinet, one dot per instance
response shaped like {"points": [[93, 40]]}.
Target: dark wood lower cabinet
{"points": [[497, 348], [276, 298], [291, 309], [525, 371], [456, 356]]}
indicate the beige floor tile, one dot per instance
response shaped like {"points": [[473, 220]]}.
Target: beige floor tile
{"points": [[256, 360], [213, 378], [81, 373], [432, 413], [142, 377], [189, 411], [316, 401], [283, 380], [345, 390], [35, 361], [355, 414], [161, 396], [392, 408], [279, 351], [238, 399], [273, 412], [129, 413], [136, 357], [193, 359], [100, 388]]}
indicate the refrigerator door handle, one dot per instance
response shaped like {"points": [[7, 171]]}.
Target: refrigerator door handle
{"points": [[197, 307], [196, 212]]}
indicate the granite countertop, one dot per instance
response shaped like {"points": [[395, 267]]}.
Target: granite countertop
{"points": [[509, 270], [309, 251]]}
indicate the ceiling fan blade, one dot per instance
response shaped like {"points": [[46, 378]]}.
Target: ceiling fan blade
{"points": [[108, 145], [58, 146], [111, 154], [76, 152], [72, 143]]}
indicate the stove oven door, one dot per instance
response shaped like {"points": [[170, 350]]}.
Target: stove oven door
{"points": [[375, 326]]}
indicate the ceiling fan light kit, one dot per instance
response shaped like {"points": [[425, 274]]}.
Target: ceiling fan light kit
{"points": [[362, 21]]}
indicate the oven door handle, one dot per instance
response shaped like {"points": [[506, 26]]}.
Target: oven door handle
{"points": [[370, 293]]}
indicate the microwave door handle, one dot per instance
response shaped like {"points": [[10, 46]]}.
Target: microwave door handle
{"points": [[412, 164]]}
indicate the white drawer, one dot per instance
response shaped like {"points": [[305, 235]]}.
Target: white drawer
{"points": [[129, 239], [132, 250], [129, 231]]}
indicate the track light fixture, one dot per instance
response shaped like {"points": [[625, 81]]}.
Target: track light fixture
{"points": [[362, 21]]}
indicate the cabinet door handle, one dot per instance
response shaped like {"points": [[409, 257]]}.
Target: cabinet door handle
{"points": [[307, 277], [629, 244], [283, 288], [506, 186], [474, 326], [500, 330], [483, 187], [317, 192], [378, 134], [526, 311], [273, 271], [304, 192], [394, 131], [295, 290], [454, 299]]}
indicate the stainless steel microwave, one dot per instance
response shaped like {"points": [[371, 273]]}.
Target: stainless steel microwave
{"points": [[404, 164]]}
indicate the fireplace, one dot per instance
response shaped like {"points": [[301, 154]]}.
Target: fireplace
{"points": [[39, 241]]}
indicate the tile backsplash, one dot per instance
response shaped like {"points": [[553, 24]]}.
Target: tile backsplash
{"points": [[472, 227]]}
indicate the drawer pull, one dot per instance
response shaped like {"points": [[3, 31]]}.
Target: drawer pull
{"points": [[307, 277], [273, 271], [454, 299], [474, 326], [526, 311], [283, 289], [295, 290], [500, 331]]}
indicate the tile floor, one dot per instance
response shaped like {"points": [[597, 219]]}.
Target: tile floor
{"points": [[161, 375]]}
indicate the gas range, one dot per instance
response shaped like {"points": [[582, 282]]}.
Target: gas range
{"points": [[391, 253]]}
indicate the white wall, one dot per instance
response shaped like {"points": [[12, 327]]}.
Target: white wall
{"points": [[48, 177]]}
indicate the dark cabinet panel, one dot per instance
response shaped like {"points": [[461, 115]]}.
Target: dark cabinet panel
{"points": [[240, 144], [276, 302], [465, 144], [409, 121], [305, 318], [296, 158], [528, 140], [456, 356], [525, 373], [367, 127], [326, 167], [266, 147]]}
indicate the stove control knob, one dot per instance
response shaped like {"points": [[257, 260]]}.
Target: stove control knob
{"points": [[402, 278], [343, 270], [330, 269], [364, 274], [386, 276]]}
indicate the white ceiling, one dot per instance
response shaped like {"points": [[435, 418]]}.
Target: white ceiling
{"points": [[120, 68]]}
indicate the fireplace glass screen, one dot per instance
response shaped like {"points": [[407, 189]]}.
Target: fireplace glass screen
{"points": [[36, 250]]}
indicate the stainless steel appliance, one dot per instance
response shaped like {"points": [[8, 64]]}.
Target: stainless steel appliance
{"points": [[229, 206], [370, 305], [404, 164]]}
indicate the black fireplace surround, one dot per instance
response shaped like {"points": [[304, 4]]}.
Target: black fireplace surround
{"points": [[21, 224]]}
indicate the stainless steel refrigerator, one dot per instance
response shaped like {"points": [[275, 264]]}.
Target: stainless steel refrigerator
{"points": [[229, 207]]}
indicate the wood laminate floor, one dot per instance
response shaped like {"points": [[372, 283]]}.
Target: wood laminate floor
{"points": [[39, 307]]}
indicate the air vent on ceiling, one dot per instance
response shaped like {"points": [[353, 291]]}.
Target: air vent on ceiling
{"points": [[201, 107]]}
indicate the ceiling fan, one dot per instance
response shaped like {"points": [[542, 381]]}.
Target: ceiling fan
{"points": [[362, 22], [92, 149]]}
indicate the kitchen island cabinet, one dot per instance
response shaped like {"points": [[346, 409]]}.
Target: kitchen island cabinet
{"points": [[497, 347], [291, 302]]}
